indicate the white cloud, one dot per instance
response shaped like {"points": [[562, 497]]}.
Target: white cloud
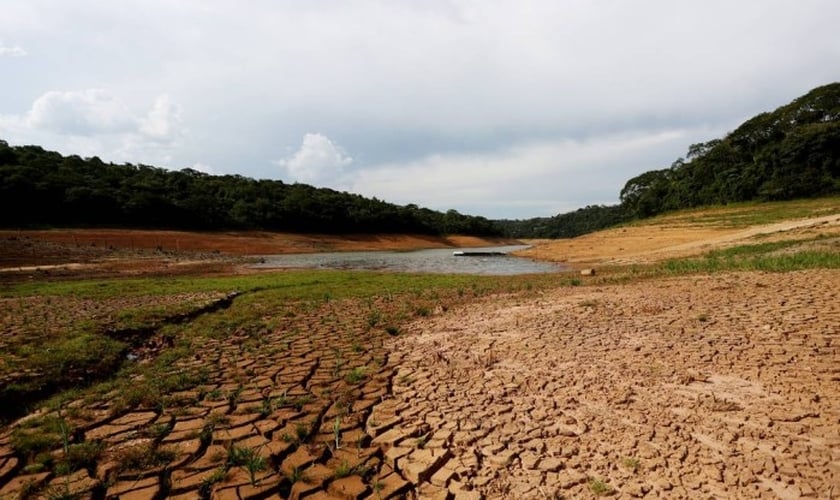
{"points": [[162, 120], [85, 112], [12, 51], [317, 160], [94, 122]]}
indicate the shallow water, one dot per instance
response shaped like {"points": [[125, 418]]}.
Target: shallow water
{"points": [[439, 261]]}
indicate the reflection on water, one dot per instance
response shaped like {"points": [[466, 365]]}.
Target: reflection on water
{"points": [[440, 261]]}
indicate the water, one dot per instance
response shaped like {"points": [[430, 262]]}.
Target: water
{"points": [[440, 261]]}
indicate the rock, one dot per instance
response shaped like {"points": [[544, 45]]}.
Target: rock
{"points": [[587, 272]]}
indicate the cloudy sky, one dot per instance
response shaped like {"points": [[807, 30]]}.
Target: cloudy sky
{"points": [[507, 109]]}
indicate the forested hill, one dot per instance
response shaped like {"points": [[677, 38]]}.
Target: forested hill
{"points": [[44, 188], [792, 152]]}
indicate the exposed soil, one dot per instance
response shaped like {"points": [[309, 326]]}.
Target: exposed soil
{"points": [[649, 243], [700, 387], [722, 386]]}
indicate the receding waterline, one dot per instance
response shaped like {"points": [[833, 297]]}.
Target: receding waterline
{"points": [[440, 261]]}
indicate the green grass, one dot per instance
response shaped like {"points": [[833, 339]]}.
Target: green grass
{"points": [[599, 487], [746, 214]]}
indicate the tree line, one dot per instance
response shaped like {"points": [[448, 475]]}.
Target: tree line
{"points": [[792, 152], [44, 188]]}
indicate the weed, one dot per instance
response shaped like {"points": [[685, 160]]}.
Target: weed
{"points": [[599, 487], [144, 456], [356, 375], [631, 463], [302, 431], [249, 459], [215, 395], [207, 483], [421, 441], [374, 317], [337, 432], [392, 330], [81, 456], [301, 401], [703, 318], [296, 474]]}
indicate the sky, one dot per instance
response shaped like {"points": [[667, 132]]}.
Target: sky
{"points": [[505, 109]]}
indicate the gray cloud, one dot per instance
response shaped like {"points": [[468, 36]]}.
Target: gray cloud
{"points": [[418, 94]]}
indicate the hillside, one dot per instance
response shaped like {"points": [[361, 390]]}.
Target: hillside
{"points": [[44, 188], [800, 224], [790, 153]]}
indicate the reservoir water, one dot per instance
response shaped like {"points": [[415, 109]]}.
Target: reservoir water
{"points": [[440, 261]]}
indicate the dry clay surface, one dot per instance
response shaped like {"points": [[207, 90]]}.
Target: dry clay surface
{"points": [[725, 386]]}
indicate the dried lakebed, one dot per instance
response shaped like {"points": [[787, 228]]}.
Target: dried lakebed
{"points": [[712, 386]]}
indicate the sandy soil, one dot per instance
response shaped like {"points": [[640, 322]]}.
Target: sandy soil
{"points": [[644, 244], [699, 387]]}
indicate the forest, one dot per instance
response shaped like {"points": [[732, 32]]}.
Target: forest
{"points": [[792, 152], [40, 188]]}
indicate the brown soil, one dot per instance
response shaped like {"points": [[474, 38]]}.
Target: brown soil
{"points": [[723, 386], [79, 253], [648, 243]]}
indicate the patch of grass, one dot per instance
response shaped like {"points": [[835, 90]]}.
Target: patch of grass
{"points": [[599, 487], [356, 375], [144, 456], [249, 459], [392, 330], [630, 463]]}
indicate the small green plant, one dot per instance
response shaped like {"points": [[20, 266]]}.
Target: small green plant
{"points": [[300, 401], [356, 375], [296, 474], [631, 463], [374, 317], [599, 487], [703, 318], [144, 456], [207, 483], [392, 330], [337, 432], [215, 395], [302, 431], [249, 459]]}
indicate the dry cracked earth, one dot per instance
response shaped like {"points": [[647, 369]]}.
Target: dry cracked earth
{"points": [[724, 386], [700, 387]]}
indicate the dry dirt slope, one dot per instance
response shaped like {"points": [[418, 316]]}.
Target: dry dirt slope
{"points": [[689, 233]]}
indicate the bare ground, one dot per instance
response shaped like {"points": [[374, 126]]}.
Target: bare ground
{"points": [[721, 386], [650, 243], [701, 387]]}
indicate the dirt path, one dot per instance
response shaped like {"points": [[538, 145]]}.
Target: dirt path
{"points": [[697, 387]]}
